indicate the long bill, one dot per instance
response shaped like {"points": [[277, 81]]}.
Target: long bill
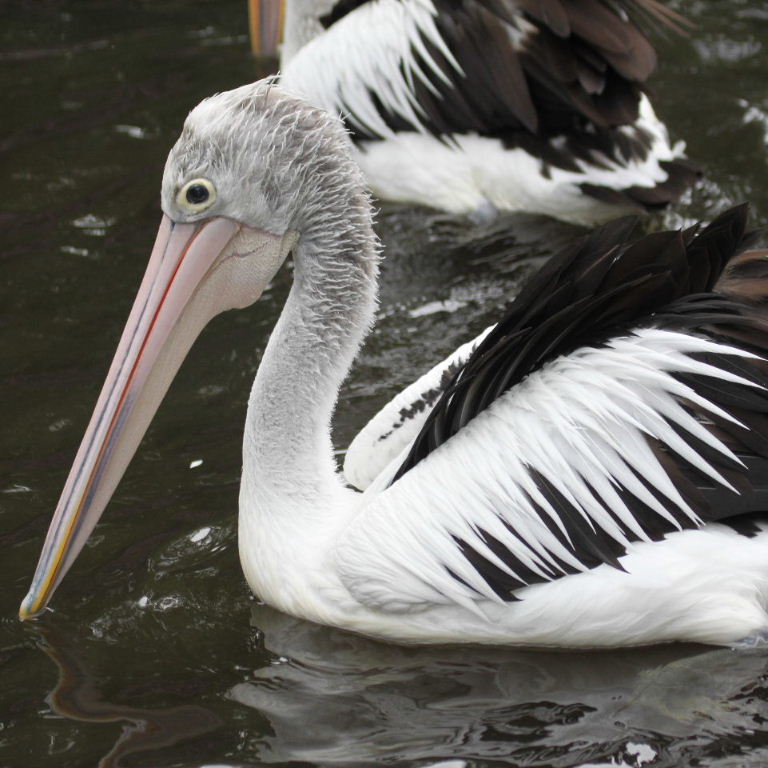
{"points": [[195, 271], [266, 19]]}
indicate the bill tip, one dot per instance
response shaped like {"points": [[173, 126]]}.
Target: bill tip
{"points": [[28, 610]]}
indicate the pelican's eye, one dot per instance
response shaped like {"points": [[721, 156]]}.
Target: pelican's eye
{"points": [[196, 195]]}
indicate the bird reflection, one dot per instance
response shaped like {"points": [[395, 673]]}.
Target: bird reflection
{"points": [[76, 696], [332, 697], [324, 697]]}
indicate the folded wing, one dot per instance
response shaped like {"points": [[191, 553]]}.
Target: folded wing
{"points": [[622, 398]]}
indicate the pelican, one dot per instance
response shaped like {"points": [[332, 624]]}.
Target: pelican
{"points": [[485, 105], [588, 476]]}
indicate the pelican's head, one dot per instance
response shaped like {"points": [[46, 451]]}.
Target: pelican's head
{"points": [[257, 156], [252, 171]]}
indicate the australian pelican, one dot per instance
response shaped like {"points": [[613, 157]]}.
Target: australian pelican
{"points": [[589, 475], [473, 106]]}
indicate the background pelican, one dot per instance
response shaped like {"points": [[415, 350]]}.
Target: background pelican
{"points": [[567, 487], [473, 106]]}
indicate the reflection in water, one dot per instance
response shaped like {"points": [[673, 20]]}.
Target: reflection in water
{"points": [[334, 698], [77, 697], [330, 698]]}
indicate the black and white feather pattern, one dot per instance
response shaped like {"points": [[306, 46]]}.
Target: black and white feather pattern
{"points": [[622, 398], [396, 425], [560, 81]]}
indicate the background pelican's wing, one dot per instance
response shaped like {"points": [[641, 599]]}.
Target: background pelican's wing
{"points": [[395, 426], [618, 401], [561, 80]]}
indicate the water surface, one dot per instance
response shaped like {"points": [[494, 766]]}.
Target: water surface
{"points": [[156, 654]]}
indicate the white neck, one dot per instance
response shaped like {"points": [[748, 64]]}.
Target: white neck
{"points": [[291, 494]]}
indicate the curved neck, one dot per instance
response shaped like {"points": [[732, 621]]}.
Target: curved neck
{"points": [[288, 462]]}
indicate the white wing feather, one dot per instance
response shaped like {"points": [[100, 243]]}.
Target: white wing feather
{"points": [[343, 68], [582, 422]]}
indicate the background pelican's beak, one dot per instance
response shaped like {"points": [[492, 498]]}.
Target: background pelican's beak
{"points": [[195, 272], [266, 18]]}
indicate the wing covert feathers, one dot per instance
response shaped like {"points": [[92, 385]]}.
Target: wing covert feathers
{"points": [[603, 285]]}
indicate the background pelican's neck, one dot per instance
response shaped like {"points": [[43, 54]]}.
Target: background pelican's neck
{"points": [[288, 463], [302, 24]]}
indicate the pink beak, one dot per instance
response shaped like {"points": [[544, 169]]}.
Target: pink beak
{"points": [[193, 274]]}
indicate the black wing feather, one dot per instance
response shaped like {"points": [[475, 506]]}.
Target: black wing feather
{"points": [[599, 287], [693, 282]]}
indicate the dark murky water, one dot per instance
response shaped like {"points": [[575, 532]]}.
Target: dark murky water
{"points": [[156, 654]]}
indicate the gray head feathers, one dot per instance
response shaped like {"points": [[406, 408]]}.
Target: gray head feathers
{"points": [[277, 164]]}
